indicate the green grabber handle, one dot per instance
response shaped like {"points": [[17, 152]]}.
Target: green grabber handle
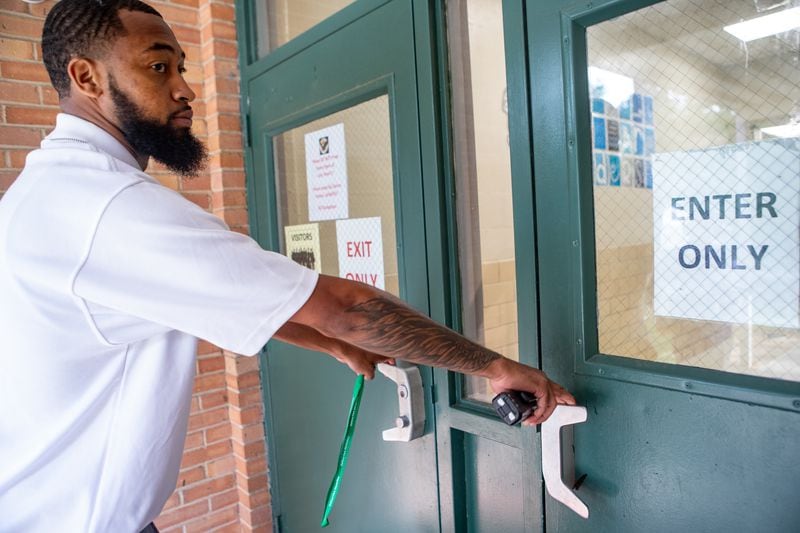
{"points": [[344, 450]]}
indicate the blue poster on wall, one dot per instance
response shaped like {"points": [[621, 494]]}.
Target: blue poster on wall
{"points": [[613, 170], [599, 133]]}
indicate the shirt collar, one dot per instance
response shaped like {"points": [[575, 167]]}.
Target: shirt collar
{"points": [[76, 128]]}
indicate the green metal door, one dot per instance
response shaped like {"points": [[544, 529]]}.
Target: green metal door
{"points": [[685, 353], [352, 81]]}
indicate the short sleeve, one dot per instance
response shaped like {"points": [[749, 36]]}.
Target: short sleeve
{"points": [[158, 259]]}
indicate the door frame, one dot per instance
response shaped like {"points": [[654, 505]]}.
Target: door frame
{"points": [[564, 210], [262, 193]]}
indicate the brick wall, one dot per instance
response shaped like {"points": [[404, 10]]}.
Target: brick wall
{"points": [[223, 481]]}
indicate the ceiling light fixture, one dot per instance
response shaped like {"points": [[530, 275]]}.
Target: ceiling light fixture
{"points": [[750, 30]]}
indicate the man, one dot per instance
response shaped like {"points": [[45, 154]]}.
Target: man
{"points": [[107, 279]]}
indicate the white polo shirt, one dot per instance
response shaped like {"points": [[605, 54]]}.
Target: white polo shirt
{"points": [[106, 280]]}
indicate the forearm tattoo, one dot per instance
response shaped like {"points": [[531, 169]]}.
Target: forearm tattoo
{"points": [[392, 329]]}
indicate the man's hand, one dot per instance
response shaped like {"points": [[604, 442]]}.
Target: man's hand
{"points": [[360, 361], [507, 375]]}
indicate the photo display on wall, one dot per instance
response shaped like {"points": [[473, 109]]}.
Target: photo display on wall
{"points": [[623, 141]]}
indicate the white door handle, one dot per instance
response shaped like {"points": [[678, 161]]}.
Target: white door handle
{"points": [[410, 424], [552, 463]]}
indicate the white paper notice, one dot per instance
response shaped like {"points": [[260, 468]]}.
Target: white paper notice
{"points": [[360, 245], [326, 173], [726, 246], [302, 245]]}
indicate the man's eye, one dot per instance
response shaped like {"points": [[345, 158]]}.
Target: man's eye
{"points": [[160, 67]]}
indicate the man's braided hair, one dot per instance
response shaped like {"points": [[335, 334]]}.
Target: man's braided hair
{"points": [[82, 28]]}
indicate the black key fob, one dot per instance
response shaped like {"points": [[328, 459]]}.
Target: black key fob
{"points": [[514, 406]]}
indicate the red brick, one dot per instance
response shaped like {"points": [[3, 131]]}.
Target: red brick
{"points": [[48, 95], [208, 488], [194, 440], [236, 216], [209, 382], [225, 122], [252, 433], [178, 15], [18, 92], [251, 449], [190, 3], [224, 499], [7, 178], [220, 467], [17, 158], [24, 71], [16, 49], [257, 519], [223, 13], [21, 26], [218, 433], [200, 199], [193, 458], [191, 476], [213, 520], [234, 179], [224, 104], [199, 183], [245, 417], [41, 116], [253, 466], [218, 30], [225, 141], [213, 399], [205, 347], [18, 7], [20, 136], [208, 418], [182, 514], [250, 379], [247, 399], [186, 35]]}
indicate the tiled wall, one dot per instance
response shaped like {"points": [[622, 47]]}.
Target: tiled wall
{"points": [[500, 308]]}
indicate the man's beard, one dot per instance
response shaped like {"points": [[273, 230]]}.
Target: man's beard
{"points": [[177, 149]]}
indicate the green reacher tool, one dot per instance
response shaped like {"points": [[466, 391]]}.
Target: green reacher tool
{"points": [[344, 450]]}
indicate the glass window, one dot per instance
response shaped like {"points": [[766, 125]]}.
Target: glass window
{"points": [[483, 179], [695, 116], [361, 135], [280, 21]]}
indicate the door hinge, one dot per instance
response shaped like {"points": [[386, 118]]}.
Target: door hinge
{"points": [[247, 137], [278, 526]]}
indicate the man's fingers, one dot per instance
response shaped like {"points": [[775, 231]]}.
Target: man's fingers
{"points": [[562, 395], [546, 406]]}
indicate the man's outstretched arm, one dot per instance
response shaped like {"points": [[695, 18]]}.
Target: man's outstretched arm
{"points": [[376, 321], [360, 361]]}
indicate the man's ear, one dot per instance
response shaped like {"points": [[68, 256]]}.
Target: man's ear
{"points": [[86, 77]]}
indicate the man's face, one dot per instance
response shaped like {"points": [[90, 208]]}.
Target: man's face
{"points": [[149, 97]]}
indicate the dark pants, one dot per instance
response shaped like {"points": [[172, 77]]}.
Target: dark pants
{"points": [[151, 528]]}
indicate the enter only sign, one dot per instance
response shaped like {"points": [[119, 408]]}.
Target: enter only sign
{"points": [[725, 224]]}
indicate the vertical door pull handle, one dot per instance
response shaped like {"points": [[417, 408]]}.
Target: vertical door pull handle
{"points": [[552, 462], [410, 424]]}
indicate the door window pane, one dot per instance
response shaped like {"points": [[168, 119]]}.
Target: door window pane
{"points": [[483, 179], [696, 163], [280, 21], [368, 191]]}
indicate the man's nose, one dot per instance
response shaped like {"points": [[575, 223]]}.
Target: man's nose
{"points": [[182, 91]]}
